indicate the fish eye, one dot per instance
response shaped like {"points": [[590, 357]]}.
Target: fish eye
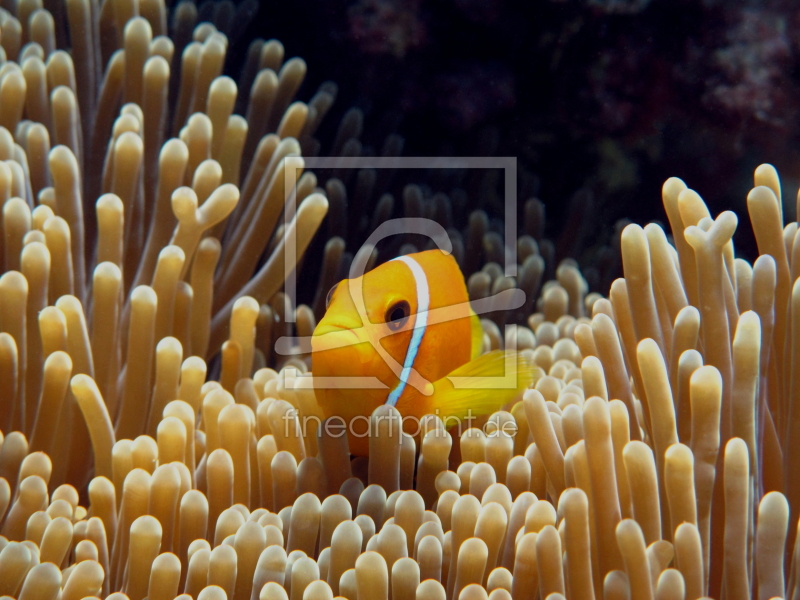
{"points": [[397, 315], [329, 297]]}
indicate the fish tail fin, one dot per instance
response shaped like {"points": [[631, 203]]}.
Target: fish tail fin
{"points": [[483, 385]]}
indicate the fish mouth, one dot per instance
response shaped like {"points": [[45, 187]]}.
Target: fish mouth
{"points": [[330, 337], [350, 343]]}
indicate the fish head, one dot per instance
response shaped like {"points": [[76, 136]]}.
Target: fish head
{"points": [[364, 334]]}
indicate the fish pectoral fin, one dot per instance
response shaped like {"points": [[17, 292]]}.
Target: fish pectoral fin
{"points": [[480, 387], [476, 331]]}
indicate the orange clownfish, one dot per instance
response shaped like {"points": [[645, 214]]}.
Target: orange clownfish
{"points": [[404, 334]]}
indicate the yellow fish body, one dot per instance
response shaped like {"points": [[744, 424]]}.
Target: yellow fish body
{"points": [[404, 334]]}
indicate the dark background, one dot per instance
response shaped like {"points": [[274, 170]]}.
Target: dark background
{"points": [[600, 99]]}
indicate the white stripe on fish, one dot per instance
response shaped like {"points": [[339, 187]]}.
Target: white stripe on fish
{"points": [[420, 324]]}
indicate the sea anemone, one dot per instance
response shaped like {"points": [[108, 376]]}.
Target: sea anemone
{"points": [[655, 456]]}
